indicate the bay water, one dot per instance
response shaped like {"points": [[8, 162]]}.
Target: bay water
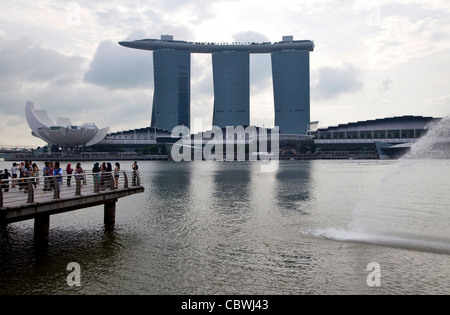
{"points": [[310, 227]]}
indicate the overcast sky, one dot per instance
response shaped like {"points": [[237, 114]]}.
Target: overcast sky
{"points": [[373, 59]]}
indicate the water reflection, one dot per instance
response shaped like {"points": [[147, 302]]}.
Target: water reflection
{"points": [[232, 193], [171, 186], [293, 186]]}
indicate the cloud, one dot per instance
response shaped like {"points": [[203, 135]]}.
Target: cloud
{"points": [[29, 71], [441, 100], [401, 39], [331, 82], [188, 11], [250, 36], [260, 64], [385, 86], [363, 5], [117, 67], [54, 82], [22, 62]]}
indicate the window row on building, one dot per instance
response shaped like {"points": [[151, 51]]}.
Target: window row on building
{"points": [[371, 134]]}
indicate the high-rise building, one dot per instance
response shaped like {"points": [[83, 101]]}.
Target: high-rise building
{"points": [[291, 90], [231, 70], [290, 70], [171, 98]]}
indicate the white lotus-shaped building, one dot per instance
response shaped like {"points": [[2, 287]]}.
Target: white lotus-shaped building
{"points": [[63, 133]]}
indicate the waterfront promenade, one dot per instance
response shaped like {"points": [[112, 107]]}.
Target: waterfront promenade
{"points": [[39, 197], [83, 157]]}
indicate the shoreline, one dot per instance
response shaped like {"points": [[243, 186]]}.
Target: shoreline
{"points": [[19, 157]]}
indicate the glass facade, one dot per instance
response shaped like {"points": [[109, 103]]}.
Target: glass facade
{"points": [[371, 134], [231, 71], [171, 97], [290, 72]]}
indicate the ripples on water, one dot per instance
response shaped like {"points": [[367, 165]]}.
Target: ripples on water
{"points": [[226, 228], [409, 207]]}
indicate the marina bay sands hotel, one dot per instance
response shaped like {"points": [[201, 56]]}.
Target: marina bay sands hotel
{"points": [[231, 72]]}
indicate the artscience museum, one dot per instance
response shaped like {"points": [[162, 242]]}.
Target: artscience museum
{"points": [[63, 133]]}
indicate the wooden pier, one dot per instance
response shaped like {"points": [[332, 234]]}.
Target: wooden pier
{"points": [[39, 197]]}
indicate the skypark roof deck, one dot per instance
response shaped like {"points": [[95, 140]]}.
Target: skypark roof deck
{"points": [[167, 42]]}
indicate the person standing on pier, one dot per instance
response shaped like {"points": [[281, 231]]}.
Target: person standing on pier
{"points": [[103, 176], [95, 174], [21, 175], [69, 171], [58, 172], [25, 172], [46, 171], [51, 171], [5, 183], [135, 172], [14, 171], [35, 174], [116, 175], [79, 171]]}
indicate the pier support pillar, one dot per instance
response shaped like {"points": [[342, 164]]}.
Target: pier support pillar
{"points": [[41, 228], [110, 212]]}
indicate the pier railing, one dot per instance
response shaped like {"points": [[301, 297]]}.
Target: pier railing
{"points": [[33, 189]]}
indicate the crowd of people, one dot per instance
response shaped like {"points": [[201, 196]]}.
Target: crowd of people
{"points": [[27, 169]]}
